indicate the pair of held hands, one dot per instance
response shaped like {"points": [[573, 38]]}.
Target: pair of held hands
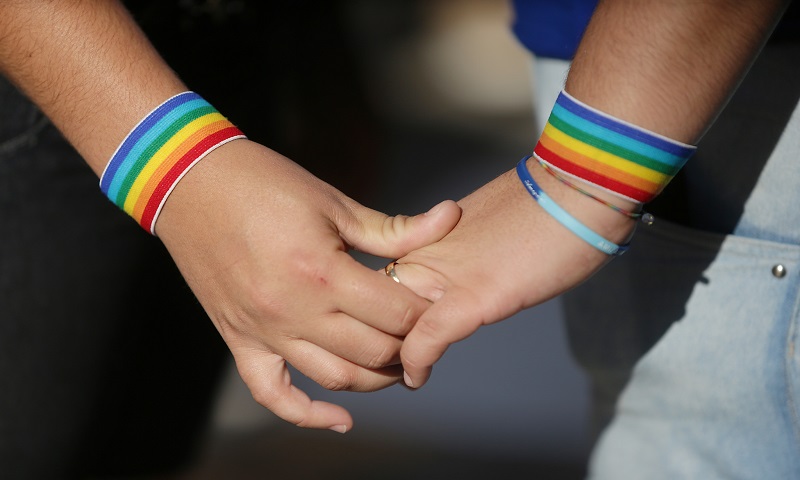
{"points": [[263, 244]]}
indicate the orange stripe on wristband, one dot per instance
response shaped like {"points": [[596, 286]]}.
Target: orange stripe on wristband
{"points": [[548, 148], [171, 160]]}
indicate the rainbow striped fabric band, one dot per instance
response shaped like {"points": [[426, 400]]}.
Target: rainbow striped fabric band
{"points": [[159, 151], [621, 158]]}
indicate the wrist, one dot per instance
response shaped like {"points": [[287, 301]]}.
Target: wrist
{"points": [[205, 194], [614, 165]]}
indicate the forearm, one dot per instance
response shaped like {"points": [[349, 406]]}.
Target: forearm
{"points": [[666, 66], [669, 66], [87, 65]]}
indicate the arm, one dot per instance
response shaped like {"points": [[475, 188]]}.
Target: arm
{"points": [[262, 243], [666, 66]]}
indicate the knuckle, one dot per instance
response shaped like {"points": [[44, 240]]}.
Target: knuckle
{"points": [[394, 227], [435, 292], [338, 380], [407, 317], [303, 423], [429, 329], [381, 355], [410, 362], [401, 313], [312, 269], [269, 295], [277, 403]]}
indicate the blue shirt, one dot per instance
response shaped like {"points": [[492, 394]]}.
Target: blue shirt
{"points": [[552, 28]]}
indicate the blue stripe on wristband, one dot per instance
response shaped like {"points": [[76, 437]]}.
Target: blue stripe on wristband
{"points": [[563, 217], [624, 128], [638, 144], [137, 137]]}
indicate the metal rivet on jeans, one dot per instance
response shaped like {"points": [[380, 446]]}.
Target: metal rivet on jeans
{"points": [[779, 271]]}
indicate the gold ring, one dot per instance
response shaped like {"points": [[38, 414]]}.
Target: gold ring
{"points": [[389, 270]]}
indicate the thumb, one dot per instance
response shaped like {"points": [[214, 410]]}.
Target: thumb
{"points": [[450, 319], [379, 234]]}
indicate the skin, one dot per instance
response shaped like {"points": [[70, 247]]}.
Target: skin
{"points": [[668, 66], [262, 242]]}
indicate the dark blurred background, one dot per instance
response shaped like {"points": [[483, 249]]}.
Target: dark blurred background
{"points": [[400, 104]]}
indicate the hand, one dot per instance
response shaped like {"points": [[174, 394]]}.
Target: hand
{"points": [[263, 245], [506, 254]]}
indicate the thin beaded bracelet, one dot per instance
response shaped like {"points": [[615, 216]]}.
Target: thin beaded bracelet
{"points": [[548, 169], [646, 218], [563, 217], [159, 151]]}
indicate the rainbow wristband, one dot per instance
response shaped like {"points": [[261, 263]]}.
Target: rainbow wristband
{"points": [[563, 217], [159, 151], [621, 158]]}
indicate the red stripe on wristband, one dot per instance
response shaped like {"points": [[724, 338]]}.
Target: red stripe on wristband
{"points": [[607, 183], [186, 162]]}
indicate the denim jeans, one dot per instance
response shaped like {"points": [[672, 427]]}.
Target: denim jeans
{"points": [[691, 339], [107, 361], [716, 396]]}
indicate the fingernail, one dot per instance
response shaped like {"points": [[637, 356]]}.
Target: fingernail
{"points": [[339, 428], [407, 380], [434, 210]]}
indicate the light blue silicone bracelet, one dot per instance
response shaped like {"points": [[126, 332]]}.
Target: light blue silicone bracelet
{"points": [[573, 224]]}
